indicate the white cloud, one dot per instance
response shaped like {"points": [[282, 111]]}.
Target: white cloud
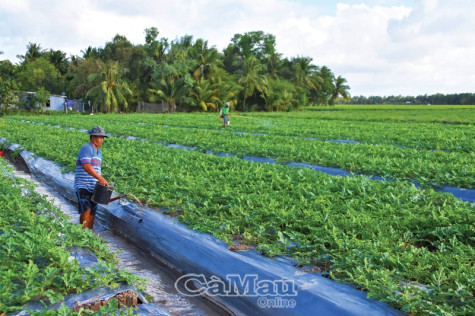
{"points": [[14, 6], [381, 46]]}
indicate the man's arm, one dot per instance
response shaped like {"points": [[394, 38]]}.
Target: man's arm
{"points": [[89, 169]]}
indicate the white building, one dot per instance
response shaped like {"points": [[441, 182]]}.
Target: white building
{"points": [[56, 102]]}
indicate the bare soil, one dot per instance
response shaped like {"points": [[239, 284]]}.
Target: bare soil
{"points": [[124, 299]]}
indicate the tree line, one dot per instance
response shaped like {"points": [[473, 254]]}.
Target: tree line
{"points": [[188, 74], [436, 99]]}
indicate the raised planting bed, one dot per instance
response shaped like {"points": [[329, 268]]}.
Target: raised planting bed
{"points": [[406, 289], [40, 269], [203, 259]]}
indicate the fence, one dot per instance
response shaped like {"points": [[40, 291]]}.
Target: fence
{"points": [[145, 107]]}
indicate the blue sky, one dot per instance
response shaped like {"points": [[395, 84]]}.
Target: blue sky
{"points": [[382, 47]]}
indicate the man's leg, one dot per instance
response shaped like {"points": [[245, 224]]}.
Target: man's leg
{"points": [[90, 223], [86, 219], [86, 209]]}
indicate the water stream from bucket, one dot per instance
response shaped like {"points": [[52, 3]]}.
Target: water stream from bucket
{"points": [[161, 281]]}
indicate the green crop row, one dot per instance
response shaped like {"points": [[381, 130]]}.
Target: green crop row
{"points": [[444, 114], [419, 135], [447, 114], [429, 136], [410, 134], [386, 237], [35, 239], [424, 166]]}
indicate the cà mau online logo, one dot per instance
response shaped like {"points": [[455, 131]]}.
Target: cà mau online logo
{"points": [[234, 285]]}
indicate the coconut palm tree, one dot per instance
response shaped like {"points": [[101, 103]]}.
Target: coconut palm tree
{"points": [[90, 52], [59, 60], [324, 94], [340, 89], [306, 74], [179, 50], [283, 95], [204, 95], [160, 50], [226, 86], [252, 79], [111, 92], [33, 52], [170, 91], [273, 62], [205, 58]]}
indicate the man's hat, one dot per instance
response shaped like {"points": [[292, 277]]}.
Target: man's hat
{"points": [[97, 131], [227, 103]]}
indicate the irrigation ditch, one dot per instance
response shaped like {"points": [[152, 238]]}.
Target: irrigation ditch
{"points": [[241, 283], [160, 297]]}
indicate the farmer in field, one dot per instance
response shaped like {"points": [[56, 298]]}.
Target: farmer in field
{"points": [[88, 172], [224, 114]]}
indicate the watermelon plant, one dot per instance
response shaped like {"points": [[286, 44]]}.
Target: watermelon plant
{"points": [[35, 261], [411, 247], [425, 166], [418, 135]]}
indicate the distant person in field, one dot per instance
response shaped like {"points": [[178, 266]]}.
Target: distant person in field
{"points": [[224, 114], [88, 173]]}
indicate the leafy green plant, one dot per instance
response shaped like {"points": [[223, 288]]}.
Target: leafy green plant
{"points": [[411, 247], [425, 166], [35, 238]]}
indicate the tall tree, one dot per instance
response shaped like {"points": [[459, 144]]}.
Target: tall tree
{"points": [[41, 97], [151, 35], [159, 50], [59, 60], [257, 43], [119, 50], [7, 70], [205, 59], [226, 86], [327, 86], [273, 64], [138, 74], [40, 73], [180, 50], [283, 96], [111, 93], [9, 92], [252, 79], [204, 95], [90, 52], [79, 84], [340, 89], [305, 78], [170, 91], [171, 82], [303, 68], [33, 52]]}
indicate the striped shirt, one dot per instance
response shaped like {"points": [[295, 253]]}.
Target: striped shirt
{"points": [[87, 155]]}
